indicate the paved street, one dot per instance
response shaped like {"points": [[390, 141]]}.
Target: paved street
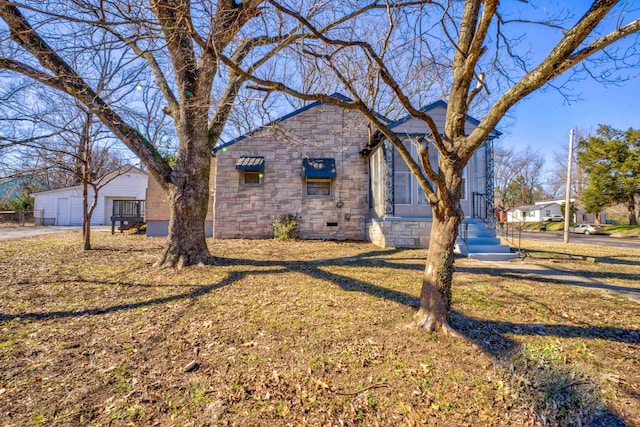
{"points": [[598, 240]]}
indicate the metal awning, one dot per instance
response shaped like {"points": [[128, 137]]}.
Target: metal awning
{"points": [[319, 168], [250, 163]]}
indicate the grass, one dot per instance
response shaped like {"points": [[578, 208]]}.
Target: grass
{"points": [[633, 230], [309, 333]]}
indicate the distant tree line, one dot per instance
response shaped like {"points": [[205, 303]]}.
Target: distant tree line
{"points": [[605, 173]]}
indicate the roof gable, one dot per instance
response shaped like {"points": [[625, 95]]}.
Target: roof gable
{"points": [[420, 128], [440, 104], [307, 107], [530, 208], [106, 179]]}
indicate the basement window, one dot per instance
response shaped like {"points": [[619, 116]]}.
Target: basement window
{"points": [[252, 178], [251, 169]]}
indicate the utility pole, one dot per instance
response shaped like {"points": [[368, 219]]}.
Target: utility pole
{"points": [[567, 193]]}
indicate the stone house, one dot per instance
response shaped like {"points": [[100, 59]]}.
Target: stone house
{"points": [[327, 166]]}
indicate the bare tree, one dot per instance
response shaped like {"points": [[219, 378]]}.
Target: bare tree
{"points": [[72, 149], [180, 44], [59, 140], [472, 42], [518, 177]]}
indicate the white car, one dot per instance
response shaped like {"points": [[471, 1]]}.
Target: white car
{"points": [[586, 229], [553, 218]]}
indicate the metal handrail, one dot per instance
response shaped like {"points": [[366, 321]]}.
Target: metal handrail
{"points": [[463, 231], [503, 229], [482, 208]]}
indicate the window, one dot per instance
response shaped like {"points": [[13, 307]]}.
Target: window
{"points": [[318, 187], [318, 174], [252, 178], [433, 161], [463, 186], [402, 188], [251, 169], [377, 197], [401, 177]]}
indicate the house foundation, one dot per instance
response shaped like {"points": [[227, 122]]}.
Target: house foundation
{"points": [[399, 232]]}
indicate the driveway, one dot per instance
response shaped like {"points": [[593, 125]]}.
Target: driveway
{"points": [[13, 233]]}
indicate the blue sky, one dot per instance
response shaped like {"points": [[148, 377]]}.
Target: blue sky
{"points": [[543, 120]]}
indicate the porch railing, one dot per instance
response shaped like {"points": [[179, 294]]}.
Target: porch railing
{"points": [[482, 208], [128, 213], [512, 233]]}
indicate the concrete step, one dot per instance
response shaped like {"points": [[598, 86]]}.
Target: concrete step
{"points": [[480, 240], [482, 243], [493, 256], [488, 248], [478, 233]]}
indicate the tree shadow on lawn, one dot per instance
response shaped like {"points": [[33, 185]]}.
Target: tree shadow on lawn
{"points": [[618, 260], [557, 277], [488, 335], [193, 294]]}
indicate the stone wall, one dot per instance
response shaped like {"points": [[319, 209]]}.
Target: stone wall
{"points": [[324, 131], [399, 232]]}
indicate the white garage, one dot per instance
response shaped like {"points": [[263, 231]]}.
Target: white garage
{"points": [[64, 206]]}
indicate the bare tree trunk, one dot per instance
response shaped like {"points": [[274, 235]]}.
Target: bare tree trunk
{"points": [[85, 162], [435, 297], [188, 195], [86, 238], [86, 243], [631, 206]]}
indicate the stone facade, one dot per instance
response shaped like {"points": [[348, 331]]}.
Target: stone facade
{"points": [[399, 232], [244, 206], [323, 131]]}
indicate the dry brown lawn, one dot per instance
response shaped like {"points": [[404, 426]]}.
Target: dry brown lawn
{"points": [[308, 333]]}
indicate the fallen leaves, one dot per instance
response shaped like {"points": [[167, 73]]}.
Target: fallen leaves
{"points": [[268, 336]]}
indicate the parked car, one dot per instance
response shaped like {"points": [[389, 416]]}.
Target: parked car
{"points": [[553, 218], [586, 229]]}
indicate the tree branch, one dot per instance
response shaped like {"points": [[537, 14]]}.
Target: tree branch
{"points": [[71, 83], [562, 57]]}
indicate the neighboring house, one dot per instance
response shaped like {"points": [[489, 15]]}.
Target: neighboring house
{"points": [[64, 206], [11, 188], [533, 213], [580, 216], [321, 163]]}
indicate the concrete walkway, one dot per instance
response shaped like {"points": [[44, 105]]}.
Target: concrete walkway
{"points": [[14, 233], [525, 270]]}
